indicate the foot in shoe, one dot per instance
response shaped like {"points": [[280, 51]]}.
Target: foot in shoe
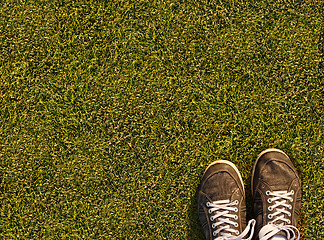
{"points": [[276, 190], [221, 203]]}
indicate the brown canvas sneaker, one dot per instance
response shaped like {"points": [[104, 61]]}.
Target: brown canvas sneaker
{"points": [[221, 203], [276, 190]]}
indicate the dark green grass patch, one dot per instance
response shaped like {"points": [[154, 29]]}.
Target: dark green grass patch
{"points": [[111, 110]]}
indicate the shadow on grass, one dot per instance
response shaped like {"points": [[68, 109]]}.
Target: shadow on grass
{"points": [[195, 231], [302, 218]]}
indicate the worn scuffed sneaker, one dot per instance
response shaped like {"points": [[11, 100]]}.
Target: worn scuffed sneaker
{"points": [[276, 190], [221, 203]]}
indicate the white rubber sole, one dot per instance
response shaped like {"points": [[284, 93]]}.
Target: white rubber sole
{"points": [[228, 163], [256, 161]]}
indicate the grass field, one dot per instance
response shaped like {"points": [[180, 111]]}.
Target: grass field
{"points": [[111, 110]]}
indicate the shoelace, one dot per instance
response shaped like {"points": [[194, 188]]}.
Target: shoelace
{"points": [[268, 231], [280, 199], [224, 220]]}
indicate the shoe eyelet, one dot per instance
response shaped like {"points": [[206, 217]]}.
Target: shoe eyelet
{"points": [[269, 200], [208, 204], [290, 207], [236, 209], [236, 224], [289, 214], [292, 191], [237, 232], [214, 233], [236, 217], [213, 225], [291, 199], [270, 208], [209, 211], [288, 221], [211, 219], [236, 202], [270, 216], [268, 193]]}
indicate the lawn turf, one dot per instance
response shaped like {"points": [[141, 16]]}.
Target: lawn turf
{"points": [[111, 110]]}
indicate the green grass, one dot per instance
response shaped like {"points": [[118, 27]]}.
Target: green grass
{"points": [[111, 110]]}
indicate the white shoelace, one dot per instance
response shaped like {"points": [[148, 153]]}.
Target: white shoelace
{"points": [[224, 220], [270, 230], [281, 201]]}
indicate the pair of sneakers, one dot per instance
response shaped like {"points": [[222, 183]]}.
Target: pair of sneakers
{"points": [[276, 190]]}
